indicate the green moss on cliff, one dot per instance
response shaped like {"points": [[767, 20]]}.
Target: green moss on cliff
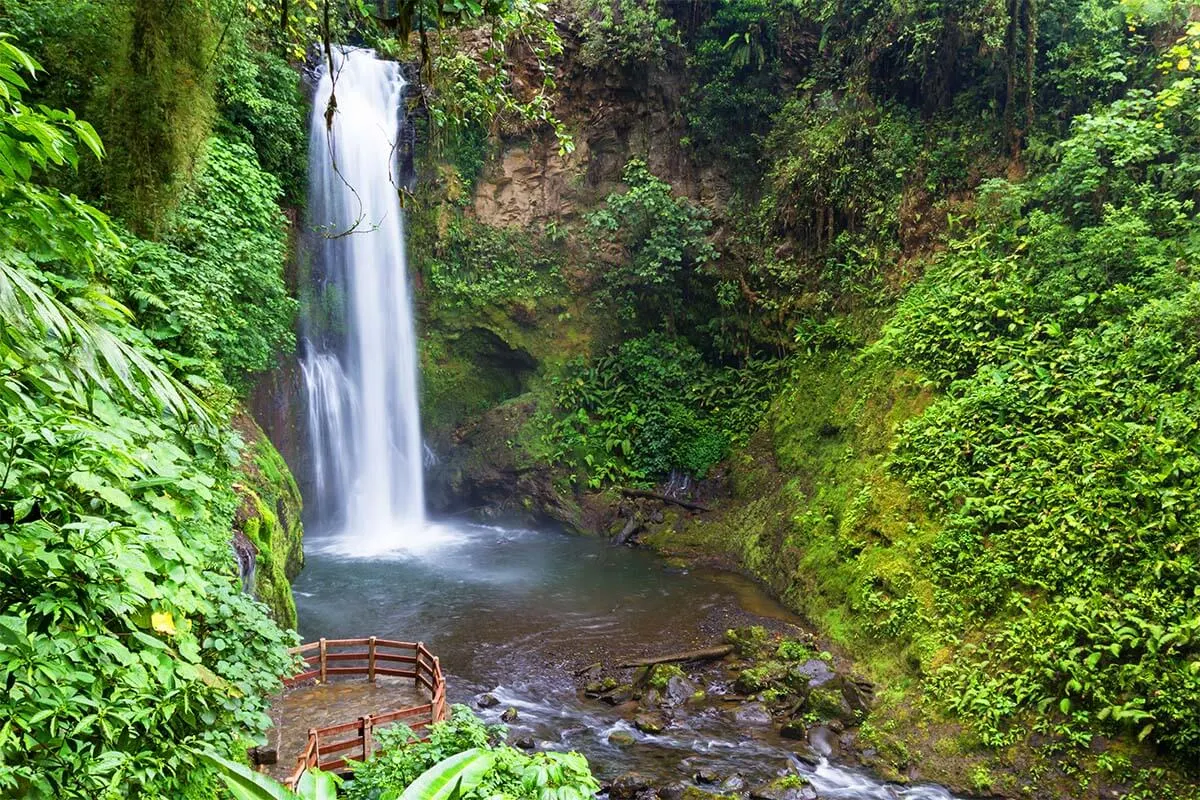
{"points": [[269, 517], [815, 514]]}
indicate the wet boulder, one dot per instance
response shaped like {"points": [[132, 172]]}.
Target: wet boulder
{"points": [[824, 741], [621, 738], [672, 791], [597, 688], [696, 793], [751, 714], [679, 691], [794, 729], [524, 743], [649, 723], [510, 715], [618, 696], [859, 696], [828, 703], [629, 785], [733, 784], [486, 700], [811, 674]]}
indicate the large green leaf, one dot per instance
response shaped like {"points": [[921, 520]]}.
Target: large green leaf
{"points": [[246, 784], [317, 785], [453, 776]]}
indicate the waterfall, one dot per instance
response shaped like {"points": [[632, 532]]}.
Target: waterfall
{"points": [[360, 360]]}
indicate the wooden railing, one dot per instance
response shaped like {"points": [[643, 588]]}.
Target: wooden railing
{"points": [[329, 748]]}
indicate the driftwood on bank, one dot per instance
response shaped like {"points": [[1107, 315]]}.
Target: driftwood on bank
{"points": [[632, 525], [703, 654], [664, 498]]}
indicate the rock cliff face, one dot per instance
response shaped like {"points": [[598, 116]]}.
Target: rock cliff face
{"points": [[614, 117], [478, 367]]}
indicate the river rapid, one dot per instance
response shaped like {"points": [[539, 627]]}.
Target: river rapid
{"points": [[516, 613]]}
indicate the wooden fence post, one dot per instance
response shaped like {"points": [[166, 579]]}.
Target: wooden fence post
{"points": [[417, 666], [371, 660], [323, 648], [439, 691], [367, 738]]}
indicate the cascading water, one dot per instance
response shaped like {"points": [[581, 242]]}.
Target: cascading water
{"points": [[360, 366]]}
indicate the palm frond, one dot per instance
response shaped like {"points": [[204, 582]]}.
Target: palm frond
{"points": [[94, 355]]}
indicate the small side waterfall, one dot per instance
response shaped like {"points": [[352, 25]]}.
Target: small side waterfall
{"points": [[360, 362]]}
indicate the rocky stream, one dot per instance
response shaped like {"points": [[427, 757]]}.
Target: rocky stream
{"points": [[534, 627]]}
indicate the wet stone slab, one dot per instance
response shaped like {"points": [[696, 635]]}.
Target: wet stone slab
{"points": [[319, 705]]}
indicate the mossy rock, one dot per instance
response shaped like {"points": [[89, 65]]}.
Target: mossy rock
{"points": [[829, 704], [760, 677], [270, 518], [748, 642]]}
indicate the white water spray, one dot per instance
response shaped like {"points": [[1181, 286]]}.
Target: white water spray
{"points": [[361, 381]]}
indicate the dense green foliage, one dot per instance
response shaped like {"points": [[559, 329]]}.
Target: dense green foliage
{"points": [[212, 287], [245, 783], [1062, 325], [624, 35], [473, 266], [994, 501], [662, 248], [736, 83], [512, 774], [125, 633], [473, 92], [259, 97], [649, 407]]}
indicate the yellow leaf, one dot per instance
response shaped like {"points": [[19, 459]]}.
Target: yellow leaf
{"points": [[1184, 64], [163, 622]]}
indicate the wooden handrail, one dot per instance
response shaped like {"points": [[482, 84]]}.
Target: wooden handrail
{"points": [[422, 666]]}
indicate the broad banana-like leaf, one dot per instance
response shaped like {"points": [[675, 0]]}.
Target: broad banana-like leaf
{"points": [[451, 777], [317, 785], [98, 356], [246, 784]]}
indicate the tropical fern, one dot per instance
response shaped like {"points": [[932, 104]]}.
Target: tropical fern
{"points": [[44, 340], [92, 356]]}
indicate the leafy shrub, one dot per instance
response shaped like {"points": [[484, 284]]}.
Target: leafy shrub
{"points": [[838, 169], [259, 98], [736, 89], [652, 406], [476, 91], [514, 774], [474, 266], [213, 289], [1061, 456], [663, 246], [624, 34]]}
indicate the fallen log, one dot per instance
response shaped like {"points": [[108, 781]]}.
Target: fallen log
{"points": [[703, 654], [664, 498]]}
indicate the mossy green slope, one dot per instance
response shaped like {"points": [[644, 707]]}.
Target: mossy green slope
{"points": [[270, 518]]}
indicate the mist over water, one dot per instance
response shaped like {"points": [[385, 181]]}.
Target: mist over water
{"points": [[361, 381]]}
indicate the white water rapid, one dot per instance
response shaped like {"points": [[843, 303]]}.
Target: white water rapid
{"points": [[360, 364]]}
